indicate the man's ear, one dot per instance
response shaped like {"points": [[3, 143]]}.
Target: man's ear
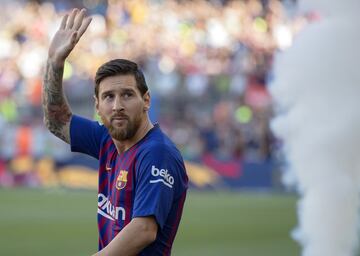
{"points": [[146, 99], [96, 104]]}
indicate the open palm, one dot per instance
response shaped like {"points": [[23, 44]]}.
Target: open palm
{"points": [[71, 29]]}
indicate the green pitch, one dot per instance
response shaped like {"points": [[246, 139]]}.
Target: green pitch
{"points": [[63, 222]]}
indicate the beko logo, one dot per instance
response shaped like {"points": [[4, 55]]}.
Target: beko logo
{"points": [[163, 176]]}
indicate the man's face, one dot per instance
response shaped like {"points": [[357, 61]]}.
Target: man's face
{"points": [[121, 107]]}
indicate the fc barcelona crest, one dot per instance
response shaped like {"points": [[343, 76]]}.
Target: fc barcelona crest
{"points": [[121, 179]]}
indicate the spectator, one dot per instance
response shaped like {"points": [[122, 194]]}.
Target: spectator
{"points": [[208, 62]]}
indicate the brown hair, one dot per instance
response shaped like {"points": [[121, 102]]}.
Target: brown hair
{"points": [[120, 67]]}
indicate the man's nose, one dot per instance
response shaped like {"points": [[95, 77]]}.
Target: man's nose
{"points": [[117, 104]]}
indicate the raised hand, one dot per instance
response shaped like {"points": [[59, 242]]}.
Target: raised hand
{"points": [[71, 29], [57, 112]]}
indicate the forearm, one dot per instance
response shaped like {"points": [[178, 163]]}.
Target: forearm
{"points": [[57, 113], [138, 234]]}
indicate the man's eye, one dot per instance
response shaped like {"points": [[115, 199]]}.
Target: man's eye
{"points": [[127, 94], [108, 97]]}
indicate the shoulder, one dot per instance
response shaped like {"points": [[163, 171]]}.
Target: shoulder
{"points": [[158, 145], [158, 160], [80, 123], [86, 135], [158, 148]]}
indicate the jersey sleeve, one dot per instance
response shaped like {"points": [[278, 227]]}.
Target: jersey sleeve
{"points": [[156, 184], [86, 136]]}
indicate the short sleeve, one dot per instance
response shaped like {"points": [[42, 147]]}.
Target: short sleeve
{"points": [[86, 136], [156, 184]]}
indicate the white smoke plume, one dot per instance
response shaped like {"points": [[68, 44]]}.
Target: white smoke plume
{"points": [[317, 95]]}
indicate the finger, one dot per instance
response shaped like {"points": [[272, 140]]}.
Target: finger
{"points": [[79, 19], [70, 23], [63, 21], [83, 27], [74, 37]]}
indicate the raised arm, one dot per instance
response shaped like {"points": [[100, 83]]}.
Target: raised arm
{"points": [[57, 112]]}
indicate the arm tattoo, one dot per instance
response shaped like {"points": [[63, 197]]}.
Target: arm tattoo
{"points": [[57, 113]]}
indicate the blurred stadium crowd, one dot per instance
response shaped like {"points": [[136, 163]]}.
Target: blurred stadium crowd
{"points": [[207, 63]]}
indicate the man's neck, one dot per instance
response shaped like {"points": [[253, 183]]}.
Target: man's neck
{"points": [[124, 145]]}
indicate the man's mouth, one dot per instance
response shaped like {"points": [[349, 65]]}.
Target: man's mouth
{"points": [[119, 118]]}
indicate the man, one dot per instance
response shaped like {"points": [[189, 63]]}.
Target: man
{"points": [[142, 178]]}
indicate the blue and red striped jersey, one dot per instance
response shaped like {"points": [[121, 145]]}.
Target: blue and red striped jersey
{"points": [[149, 179]]}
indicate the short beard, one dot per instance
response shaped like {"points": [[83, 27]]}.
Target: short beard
{"points": [[125, 133]]}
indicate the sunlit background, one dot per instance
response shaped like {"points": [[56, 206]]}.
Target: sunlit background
{"points": [[208, 65]]}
